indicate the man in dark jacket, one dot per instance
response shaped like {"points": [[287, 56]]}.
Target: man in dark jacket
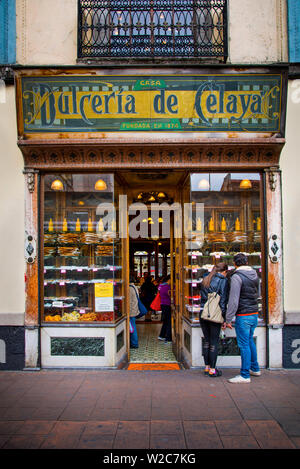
{"points": [[242, 303]]}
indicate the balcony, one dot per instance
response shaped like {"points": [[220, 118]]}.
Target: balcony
{"points": [[152, 30]]}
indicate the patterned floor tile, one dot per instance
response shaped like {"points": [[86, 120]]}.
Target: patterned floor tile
{"points": [[151, 350]]}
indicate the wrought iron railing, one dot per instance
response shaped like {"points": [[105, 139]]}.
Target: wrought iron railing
{"points": [[152, 29]]}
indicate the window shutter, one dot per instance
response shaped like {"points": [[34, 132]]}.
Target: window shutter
{"points": [[7, 31], [294, 30]]}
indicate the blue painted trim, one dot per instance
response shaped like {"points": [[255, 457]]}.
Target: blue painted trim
{"points": [[7, 31], [294, 30]]}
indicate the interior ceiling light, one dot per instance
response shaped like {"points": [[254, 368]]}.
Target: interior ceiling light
{"points": [[203, 185], [152, 196], [100, 185], [57, 185], [160, 220], [245, 184]]}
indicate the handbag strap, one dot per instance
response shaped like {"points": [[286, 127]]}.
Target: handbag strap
{"points": [[216, 292], [135, 291]]}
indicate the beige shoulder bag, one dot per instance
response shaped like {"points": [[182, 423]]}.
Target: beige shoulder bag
{"points": [[212, 311]]}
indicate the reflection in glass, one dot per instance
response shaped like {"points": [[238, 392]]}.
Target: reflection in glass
{"points": [[231, 224], [82, 265]]}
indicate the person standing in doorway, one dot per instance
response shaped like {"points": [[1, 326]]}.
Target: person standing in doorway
{"points": [[148, 292], [243, 304], [215, 281], [165, 301], [134, 311]]}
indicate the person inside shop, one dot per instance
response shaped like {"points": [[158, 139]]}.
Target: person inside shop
{"points": [[214, 281], [148, 293], [133, 312], [243, 305], [156, 282], [165, 301]]}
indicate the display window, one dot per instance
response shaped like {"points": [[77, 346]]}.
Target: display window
{"points": [[230, 222], [81, 249]]}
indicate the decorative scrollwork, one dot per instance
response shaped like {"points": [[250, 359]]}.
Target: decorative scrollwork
{"points": [[272, 180], [30, 177], [148, 28]]}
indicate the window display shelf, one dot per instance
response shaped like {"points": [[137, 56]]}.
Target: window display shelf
{"points": [[82, 268], [63, 282], [229, 221], [192, 281], [82, 249]]}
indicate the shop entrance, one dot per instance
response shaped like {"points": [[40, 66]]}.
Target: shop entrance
{"points": [[150, 267], [154, 253], [100, 229]]}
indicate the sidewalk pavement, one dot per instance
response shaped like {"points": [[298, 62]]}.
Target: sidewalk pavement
{"points": [[122, 409]]}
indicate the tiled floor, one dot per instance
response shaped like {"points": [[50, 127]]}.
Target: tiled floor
{"points": [[122, 409], [151, 350]]}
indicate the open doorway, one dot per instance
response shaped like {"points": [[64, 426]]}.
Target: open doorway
{"points": [[152, 258], [150, 267]]}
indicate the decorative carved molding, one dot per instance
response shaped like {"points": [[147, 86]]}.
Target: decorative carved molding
{"points": [[274, 248], [21, 7], [273, 179], [30, 178], [7, 75], [91, 156], [281, 31]]}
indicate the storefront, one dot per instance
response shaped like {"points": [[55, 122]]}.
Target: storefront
{"points": [[152, 170]]}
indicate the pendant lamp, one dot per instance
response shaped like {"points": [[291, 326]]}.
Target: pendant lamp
{"points": [[203, 185], [245, 184], [57, 185], [100, 185]]}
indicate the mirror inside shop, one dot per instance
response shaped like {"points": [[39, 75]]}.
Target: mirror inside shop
{"points": [[229, 223], [83, 253]]}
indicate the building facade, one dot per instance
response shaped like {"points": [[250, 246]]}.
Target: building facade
{"points": [[113, 104]]}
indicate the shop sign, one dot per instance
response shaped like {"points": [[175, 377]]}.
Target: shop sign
{"points": [[189, 103]]}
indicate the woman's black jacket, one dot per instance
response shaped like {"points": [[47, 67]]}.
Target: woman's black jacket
{"points": [[220, 284]]}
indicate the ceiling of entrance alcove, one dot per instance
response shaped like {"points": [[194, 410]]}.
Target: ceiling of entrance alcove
{"points": [[153, 180]]}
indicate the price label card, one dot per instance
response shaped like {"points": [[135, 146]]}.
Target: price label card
{"points": [[104, 297]]}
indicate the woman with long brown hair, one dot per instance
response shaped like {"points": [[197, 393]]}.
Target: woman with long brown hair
{"points": [[215, 281]]}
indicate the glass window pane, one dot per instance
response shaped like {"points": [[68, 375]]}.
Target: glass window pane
{"points": [[231, 223], [82, 264]]}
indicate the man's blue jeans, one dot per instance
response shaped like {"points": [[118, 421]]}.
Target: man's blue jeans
{"points": [[134, 341], [244, 329]]}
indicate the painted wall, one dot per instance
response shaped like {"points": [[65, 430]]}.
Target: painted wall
{"points": [[11, 211], [47, 31], [257, 31], [289, 163]]}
